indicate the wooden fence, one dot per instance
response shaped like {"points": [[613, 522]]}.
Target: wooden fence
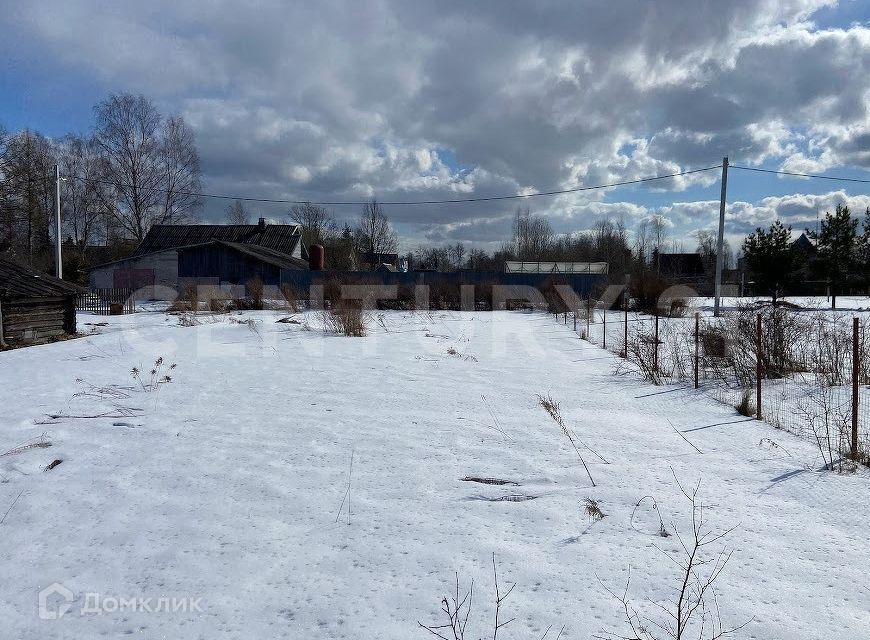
{"points": [[106, 301]]}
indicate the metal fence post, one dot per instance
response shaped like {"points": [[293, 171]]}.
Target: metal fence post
{"points": [[758, 367], [855, 373], [656, 352], [697, 343], [588, 314], [625, 333], [604, 327], [575, 320]]}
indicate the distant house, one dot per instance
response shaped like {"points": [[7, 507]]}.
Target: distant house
{"points": [[370, 261], [34, 307], [219, 262], [683, 268], [228, 250]]}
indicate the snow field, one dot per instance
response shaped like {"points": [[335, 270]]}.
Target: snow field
{"points": [[226, 485]]}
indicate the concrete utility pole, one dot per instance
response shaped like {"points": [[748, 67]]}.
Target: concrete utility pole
{"points": [[720, 247], [58, 258]]}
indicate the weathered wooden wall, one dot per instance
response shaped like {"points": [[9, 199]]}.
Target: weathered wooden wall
{"points": [[37, 320]]}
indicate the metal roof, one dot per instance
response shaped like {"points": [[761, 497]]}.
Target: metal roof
{"points": [[18, 281], [278, 237], [269, 256]]}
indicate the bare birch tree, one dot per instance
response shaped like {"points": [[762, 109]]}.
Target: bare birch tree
{"points": [[376, 234], [237, 214], [318, 224]]}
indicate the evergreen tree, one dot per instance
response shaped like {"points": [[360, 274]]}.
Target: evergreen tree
{"points": [[839, 247], [770, 258]]}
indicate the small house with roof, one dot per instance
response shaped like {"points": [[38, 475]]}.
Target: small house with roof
{"points": [[34, 307]]}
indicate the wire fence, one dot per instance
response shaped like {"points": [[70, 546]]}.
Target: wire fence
{"points": [[804, 371]]}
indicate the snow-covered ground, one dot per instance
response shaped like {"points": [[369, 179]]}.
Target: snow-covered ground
{"points": [[229, 486]]}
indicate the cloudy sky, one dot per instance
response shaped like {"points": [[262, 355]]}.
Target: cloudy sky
{"points": [[406, 100]]}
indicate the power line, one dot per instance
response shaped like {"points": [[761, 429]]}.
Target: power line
{"points": [[413, 202], [800, 175]]}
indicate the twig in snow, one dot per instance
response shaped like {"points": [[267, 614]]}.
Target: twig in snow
{"points": [[552, 408], [346, 492], [679, 433], [3, 519]]}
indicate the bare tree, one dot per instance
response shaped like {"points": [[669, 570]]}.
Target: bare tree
{"points": [[153, 167], [532, 235], [318, 224], [237, 214], [375, 233], [83, 191], [179, 165]]}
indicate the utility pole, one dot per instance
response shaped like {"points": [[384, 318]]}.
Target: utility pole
{"points": [[58, 257], [720, 247]]}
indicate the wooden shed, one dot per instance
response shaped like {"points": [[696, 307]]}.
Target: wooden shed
{"points": [[34, 307]]}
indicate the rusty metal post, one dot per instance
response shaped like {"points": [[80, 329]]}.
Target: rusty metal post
{"points": [[625, 333], [758, 367], [855, 373], [697, 343]]}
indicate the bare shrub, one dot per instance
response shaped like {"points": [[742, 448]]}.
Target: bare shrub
{"points": [[694, 611], [254, 288], [745, 407], [457, 607], [346, 318], [640, 352], [292, 296], [829, 423]]}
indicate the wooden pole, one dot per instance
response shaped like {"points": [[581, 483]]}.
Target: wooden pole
{"points": [[855, 373], [697, 342], [758, 367], [656, 352]]}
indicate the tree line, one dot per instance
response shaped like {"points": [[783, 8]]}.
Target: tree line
{"points": [[838, 253], [133, 169]]}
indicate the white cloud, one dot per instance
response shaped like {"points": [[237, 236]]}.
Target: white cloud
{"points": [[341, 101]]}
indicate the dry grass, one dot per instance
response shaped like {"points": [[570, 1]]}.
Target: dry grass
{"points": [[552, 408], [592, 509], [40, 443], [345, 319]]}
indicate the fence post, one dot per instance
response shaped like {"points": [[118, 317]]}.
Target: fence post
{"points": [[855, 372], [656, 352], [758, 367], [575, 320], [588, 314], [697, 342], [625, 336], [604, 327]]}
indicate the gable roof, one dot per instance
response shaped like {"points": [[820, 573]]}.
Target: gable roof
{"points": [[264, 254], [19, 281], [278, 237]]}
